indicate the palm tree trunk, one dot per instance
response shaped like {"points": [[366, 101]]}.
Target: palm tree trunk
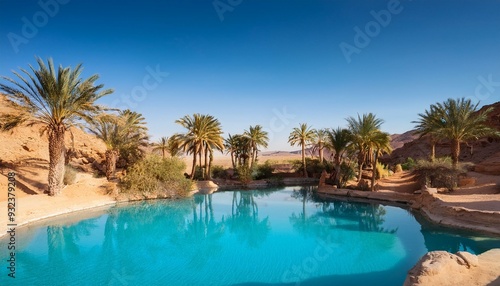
{"points": [[205, 174], [304, 159], [320, 153], [110, 163], [163, 153], [233, 161], [433, 151], [193, 168], [209, 172], [337, 167], [57, 156], [455, 151], [374, 171], [361, 160]]}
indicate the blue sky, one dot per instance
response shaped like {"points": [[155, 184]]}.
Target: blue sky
{"points": [[273, 63]]}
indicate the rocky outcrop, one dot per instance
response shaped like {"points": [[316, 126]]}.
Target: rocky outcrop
{"points": [[478, 152], [462, 268]]}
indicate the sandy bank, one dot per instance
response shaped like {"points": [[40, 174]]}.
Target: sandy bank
{"points": [[86, 193]]}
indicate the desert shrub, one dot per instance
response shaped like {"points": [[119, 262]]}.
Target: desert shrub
{"points": [[244, 174], [154, 175], [69, 175], [441, 173], [398, 168], [218, 172], [409, 164], [382, 171], [198, 173], [313, 166], [263, 171], [347, 172]]}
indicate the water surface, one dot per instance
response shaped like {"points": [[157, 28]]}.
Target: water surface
{"points": [[276, 237]]}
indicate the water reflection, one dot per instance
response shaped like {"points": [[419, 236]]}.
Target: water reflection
{"points": [[199, 233], [245, 222]]}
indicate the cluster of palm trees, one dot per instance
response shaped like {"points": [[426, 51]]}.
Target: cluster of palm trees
{"points": [[123, 133], [455, 120], [170, 145], [203, 136], [363, 139], [58, 100], [244, 148]]}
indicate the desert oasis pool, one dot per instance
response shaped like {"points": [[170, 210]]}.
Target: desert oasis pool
{"points": [[281, 236]]}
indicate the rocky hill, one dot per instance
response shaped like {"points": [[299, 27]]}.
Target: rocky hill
{"points": [[485, 152], [24, 146]]}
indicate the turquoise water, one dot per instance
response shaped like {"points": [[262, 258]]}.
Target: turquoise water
{"points": [[274, 237]]}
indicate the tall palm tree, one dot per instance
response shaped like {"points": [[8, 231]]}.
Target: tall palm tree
{"points": [[364, 130], [338, 140], [461, 122], [319, 141], [123, 134], [204, 134], [258, 138], [231, 146], [162, 146], [430, 123], [56, 99], [302, 136]]}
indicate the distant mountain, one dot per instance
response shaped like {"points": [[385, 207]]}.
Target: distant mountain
{"points": [[398, 140]]}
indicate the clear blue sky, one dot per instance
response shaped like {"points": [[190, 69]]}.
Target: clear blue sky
{"points": [[245, 62]]}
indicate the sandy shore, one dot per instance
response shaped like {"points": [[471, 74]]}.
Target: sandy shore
{"points": [[86, 193]]}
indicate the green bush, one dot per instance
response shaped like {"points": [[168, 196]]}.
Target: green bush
{"points": [[218, 172], [154, 175], [441, 173], [69, 175], [313, 166], [347, 172], [198, 173], [263, 171], [244, 174], [409, 164]]}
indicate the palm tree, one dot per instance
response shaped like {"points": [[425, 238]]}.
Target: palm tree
{"points": [[430, 123], [173, 145], [319, 141], [161, 145], [258, 138], [204, 134], [123, 134], [58, 100], [338, 140], [231, 146], [364, 131], [461, 122], [301, 135]]}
